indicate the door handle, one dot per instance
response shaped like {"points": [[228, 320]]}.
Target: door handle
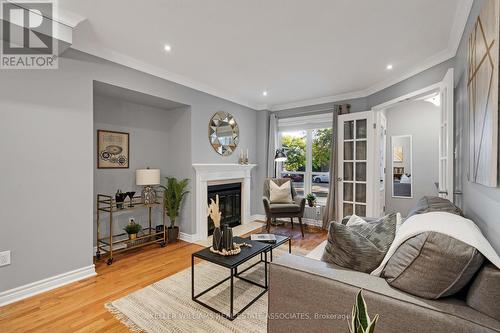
{"points": [[339, 179], [443, 192]]}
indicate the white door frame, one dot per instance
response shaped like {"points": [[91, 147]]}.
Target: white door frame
{"points": [[445, 89]]}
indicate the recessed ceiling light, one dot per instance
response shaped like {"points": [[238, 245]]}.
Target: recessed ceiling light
{"points": [[167, 48], [264, 93], [388, 67]]}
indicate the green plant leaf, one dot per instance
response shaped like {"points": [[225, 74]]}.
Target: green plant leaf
{"points": [[371, 326], [354, 319], [362, 311]]}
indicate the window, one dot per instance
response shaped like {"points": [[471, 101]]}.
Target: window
{"points": [[308, 145]]}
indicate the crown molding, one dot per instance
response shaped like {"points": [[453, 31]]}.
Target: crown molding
{"points": [[457, 29], [141, 66]]}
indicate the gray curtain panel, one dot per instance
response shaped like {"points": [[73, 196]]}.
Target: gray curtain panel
{"points": [[330, 212], [272, 145]]}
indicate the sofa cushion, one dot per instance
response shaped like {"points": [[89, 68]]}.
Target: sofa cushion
{"points": [[484, 293], [434, 204], [280, 193], [432, 265], [360, 247], [284, 208]]}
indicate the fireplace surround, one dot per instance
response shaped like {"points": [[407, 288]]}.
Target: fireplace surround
{"points": [[217, 174]]}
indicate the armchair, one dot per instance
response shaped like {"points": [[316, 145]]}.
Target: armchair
{"points": [[287, 210]]}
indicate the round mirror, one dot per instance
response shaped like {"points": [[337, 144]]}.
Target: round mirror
{"points": [[223, 133]]}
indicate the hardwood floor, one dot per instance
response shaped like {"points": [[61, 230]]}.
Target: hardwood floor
{"points": [[79, 307]]}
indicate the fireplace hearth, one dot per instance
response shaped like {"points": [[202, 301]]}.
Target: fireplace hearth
{"points": [[229, 204]]}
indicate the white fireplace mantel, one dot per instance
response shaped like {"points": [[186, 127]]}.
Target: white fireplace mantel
{"points": [[207, 174]]}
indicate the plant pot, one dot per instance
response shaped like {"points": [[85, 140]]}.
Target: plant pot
{"points": [[311, 203], [172, 234], [132, 236]]}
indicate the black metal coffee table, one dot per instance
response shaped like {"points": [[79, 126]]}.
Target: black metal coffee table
{"points": [[232, 262]]}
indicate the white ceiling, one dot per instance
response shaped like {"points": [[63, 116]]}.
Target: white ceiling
{"points": [[301, 52]]}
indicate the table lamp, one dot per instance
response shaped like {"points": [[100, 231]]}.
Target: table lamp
{"points": [[147, 178]]}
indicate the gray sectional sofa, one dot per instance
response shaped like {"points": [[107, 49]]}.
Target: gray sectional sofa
{"points": [[308, 295]]}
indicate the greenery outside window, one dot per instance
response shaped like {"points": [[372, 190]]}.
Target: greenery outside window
{"points": [[308, 144]]}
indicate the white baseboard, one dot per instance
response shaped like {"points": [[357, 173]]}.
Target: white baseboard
{"points": [[37, 287], [190, 238]]}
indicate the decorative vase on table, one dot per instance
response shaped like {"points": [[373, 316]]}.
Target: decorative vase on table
{"points": [[217, 239], [227, 238]]}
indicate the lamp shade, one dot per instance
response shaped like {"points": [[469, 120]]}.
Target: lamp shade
{"points": [[280, 155], [147, 177]]}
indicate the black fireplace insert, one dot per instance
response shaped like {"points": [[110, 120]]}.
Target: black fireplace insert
{"points": [[229, 204]]}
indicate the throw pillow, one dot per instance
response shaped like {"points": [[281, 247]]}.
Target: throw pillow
{"points": [[434, 204], [432, 265], [280, 194], [355, 220], [360, 247]]}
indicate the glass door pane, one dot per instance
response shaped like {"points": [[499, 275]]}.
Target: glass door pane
{"points": [[354, 162]]}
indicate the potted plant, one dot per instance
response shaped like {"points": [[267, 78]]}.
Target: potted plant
{"points": [[311, 199], [173, 196], [132, 229], [360, 321]]}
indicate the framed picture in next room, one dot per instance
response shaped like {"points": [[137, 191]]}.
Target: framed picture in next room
{"points": [[112, 150]]}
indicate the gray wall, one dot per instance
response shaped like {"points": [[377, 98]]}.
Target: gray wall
{"points": [[419, 119], [480, 203], [47, 135], [154, 135]]}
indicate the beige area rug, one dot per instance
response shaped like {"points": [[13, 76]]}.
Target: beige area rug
{"points": [[166, 306]]}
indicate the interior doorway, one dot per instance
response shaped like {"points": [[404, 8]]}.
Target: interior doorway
{"points": [[413, 144]]}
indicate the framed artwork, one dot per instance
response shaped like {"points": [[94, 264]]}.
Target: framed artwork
{"points": [[482, 87], [112, 150], [398, 154]]}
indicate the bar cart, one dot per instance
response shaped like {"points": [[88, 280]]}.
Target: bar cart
{"points": [[110, 244]]}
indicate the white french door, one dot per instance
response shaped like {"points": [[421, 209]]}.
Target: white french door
{"points": [[446, 147], [355, 164]]}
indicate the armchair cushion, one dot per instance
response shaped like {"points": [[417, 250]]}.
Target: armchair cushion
{"points": [[284, 208]]}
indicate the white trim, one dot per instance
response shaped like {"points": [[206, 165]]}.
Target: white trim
{"points": [[190, 238], [206, 174], [456, 32], [410, 96], [37, 287], [141, 66], [323, 120]]}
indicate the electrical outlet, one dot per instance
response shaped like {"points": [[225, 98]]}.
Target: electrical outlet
{"points": [[4, 258]]}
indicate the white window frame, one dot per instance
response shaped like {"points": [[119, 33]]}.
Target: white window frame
{"points": [[308, 124]]}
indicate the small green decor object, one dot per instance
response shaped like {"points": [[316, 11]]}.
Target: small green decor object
{"points": [[311, 199], [360, 321], [132, 229]]}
